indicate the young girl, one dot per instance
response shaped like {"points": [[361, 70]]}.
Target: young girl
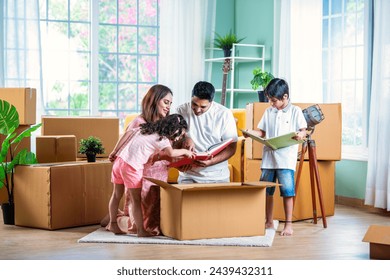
{"points": [[128, 166]]}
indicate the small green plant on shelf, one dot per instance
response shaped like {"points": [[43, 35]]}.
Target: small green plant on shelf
{"points": [[260, 79], [91, 147], [226, 42]]}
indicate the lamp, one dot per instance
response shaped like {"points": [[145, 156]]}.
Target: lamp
{"points": [[313, 116]]}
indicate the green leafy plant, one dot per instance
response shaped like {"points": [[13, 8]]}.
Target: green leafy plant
{"points": [[260, 78], [226, 42], [9, 157], [91, 145]]}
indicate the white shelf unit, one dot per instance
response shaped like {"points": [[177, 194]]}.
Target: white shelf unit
{"points": [[234, 61]]}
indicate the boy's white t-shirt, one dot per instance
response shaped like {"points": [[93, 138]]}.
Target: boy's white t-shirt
{"points": [[212, 127], [278, 122]]}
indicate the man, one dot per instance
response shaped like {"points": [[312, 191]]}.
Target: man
{"points": [[209, 123]]}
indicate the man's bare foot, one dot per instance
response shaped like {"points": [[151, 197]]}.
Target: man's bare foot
{"points": [[104, 222], [287, 231], [114, 228]]}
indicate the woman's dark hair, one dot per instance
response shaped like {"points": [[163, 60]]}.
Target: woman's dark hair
{"points": [[170, 127], [204, 90], [277, 88], [150, 101]]}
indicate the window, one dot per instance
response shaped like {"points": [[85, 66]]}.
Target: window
{"points": [[98, 57], [344, 53]]}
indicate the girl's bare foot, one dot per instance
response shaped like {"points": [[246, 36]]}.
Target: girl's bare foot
{"points": [[114, 228], [144, 233], [104, 222], [269, 224], [287, 231]]}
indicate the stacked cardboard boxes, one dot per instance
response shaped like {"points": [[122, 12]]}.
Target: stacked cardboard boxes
{"points": [[327, 136]]}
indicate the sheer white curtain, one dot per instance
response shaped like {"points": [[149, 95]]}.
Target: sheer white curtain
{"points": [[298, 44], [20, 51], [182, 45], [378, 175]]}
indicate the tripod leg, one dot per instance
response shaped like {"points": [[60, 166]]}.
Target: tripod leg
{"points": [[312, 182], [314, 169], [299, 171]]}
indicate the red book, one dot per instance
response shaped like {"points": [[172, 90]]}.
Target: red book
{"points": [[211, 152]]}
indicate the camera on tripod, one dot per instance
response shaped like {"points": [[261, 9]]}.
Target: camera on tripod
{"points": [[313, 116]]}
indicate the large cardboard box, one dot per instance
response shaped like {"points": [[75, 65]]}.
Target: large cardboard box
{"points": [[107, 129], [54, 196], [56, 148], [197, 211], [379, 238], [303, 208], [25, 102], [327, 134]]}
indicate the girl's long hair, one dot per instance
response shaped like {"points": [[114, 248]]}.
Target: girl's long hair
{"points": [[151, 100], [170, 127]]}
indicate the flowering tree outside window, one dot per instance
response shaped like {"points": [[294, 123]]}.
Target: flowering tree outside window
{"points": [[109, 43]]}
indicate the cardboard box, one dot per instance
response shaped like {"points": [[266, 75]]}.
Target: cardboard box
{"points": [[379, 239], [25, 102], [56, 148], [24, 144], [303, 208], [107, 129], [54, 196], [327, 134], [198, 211]]}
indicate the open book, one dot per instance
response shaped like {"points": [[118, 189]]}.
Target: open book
{"points": [[211, 151], [277, 142]]}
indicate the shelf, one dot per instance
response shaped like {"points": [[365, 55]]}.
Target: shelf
{"points": [[250, 49], [236, 59], [236, 90]]}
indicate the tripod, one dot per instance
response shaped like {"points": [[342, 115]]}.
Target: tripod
{"points": [[310, 145]]}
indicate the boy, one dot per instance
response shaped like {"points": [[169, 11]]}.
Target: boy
{"points": [[281, 118]]}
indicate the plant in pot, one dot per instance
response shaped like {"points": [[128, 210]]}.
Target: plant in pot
{"points": [[226, 42], [10, 156], [260, 81], [91, 147]]}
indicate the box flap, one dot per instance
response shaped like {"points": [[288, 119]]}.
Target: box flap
{"points": [[212, 186], [378, 234]]}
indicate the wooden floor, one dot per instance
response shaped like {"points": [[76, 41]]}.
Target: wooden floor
{"points": [[341, 240]]}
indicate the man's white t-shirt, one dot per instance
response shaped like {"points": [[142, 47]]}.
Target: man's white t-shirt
{"points": [[212, 127]]}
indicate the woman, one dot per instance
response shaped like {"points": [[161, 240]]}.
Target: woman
{"points": [[155, 106]]}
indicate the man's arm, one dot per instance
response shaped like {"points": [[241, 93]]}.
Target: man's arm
{"points": [[222, 156]]}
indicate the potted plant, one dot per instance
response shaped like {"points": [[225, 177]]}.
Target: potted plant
{"points": [[260, 81], [91, 147], [10, 157], [226, 42]]}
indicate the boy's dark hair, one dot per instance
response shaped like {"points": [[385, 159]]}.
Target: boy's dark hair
{"points": [[204, 90], [170, 127], [277, 88]]}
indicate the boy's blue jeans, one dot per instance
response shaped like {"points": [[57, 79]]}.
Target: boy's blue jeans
{"points": [[285, 177]]}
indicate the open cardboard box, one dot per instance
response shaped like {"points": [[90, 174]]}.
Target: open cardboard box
{"points": [[379, 239], [198, 211]]}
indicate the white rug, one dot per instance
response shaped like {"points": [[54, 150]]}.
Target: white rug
{"points": [[101, 235]]}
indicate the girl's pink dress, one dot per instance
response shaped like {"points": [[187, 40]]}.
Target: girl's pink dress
{"points": [[150, 196]]}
